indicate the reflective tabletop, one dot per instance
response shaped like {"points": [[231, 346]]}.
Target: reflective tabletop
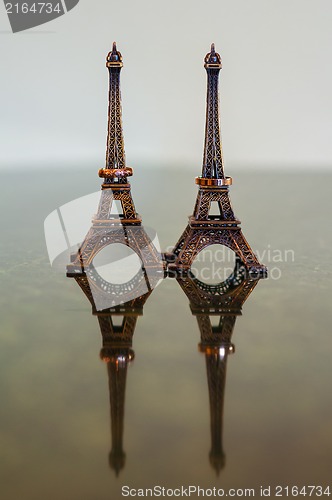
{"points": [[84, 418]]}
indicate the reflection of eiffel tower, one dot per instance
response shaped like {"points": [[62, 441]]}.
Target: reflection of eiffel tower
{"points": [[117, 325], [225, 302], [107, 227], [205, 229]]}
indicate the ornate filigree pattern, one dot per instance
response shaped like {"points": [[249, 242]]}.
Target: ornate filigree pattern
{"points": [[222, 298], [107, 197], [115, 156], [203, 204], [117, 334], [134, 237], [216, 335], [199, 238], [115, 153], [212, 159]]}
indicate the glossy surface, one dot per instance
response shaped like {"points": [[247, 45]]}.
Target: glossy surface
{"points": [[55, 415]]}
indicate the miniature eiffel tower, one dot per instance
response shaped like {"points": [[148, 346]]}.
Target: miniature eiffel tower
{"points": [[106, 226], [206, 301], [205, 229], [117, 325]]}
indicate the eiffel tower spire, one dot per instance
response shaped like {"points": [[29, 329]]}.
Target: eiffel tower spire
{"points": [[115, 169], [212, 158], [213, 169], [115, 173]]}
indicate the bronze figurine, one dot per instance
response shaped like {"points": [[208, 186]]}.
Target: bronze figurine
{"points": [[126, 227], [205, 229]]}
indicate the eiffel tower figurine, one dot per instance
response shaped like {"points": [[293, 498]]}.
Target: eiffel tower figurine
{"points": [[205, 229], [224, 301], [106, 226]]}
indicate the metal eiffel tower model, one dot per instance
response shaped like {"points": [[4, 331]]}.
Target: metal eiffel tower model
{"points": [[117, 325], [205, 229], [225, 301], [108, 227]]}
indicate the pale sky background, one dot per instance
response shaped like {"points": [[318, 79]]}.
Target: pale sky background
{"points": [[276, 81]]}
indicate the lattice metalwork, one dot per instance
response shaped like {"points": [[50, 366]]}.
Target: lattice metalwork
{"points": [[204, 228], [212, 159], [203, 205], [107, 198], [115, 173], [102, 235], [115, 156], [222, 298], [196, 238], [115, 152]]}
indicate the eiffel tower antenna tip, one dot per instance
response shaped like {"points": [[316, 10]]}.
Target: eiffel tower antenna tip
{"points": [[114, 57]]}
